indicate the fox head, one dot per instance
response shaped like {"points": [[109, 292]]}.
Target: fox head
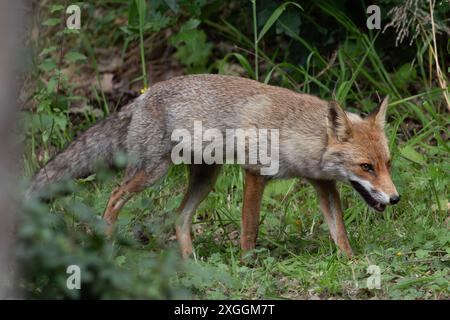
{"points": [[357, 152]]}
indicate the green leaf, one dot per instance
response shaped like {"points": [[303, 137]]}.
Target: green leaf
{"points": [[71, 31], [173, 5], [43, 106], [409, 153], [48, 50], [47, 65], [56, 7], [45, 136], [192, 47], [51, 85], [133, 15], [51, 22], [74, 56], [190, 25], [142, 11], [60, 121], [120, 260], [422, 253], [274, 17]]}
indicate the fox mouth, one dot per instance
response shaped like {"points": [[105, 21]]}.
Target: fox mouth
{"points": [[376, 205]]}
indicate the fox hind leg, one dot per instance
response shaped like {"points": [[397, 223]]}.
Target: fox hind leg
{"points": [[253, 192], [135, 181], [201, 181]]}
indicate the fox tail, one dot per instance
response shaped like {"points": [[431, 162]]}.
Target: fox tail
{"points": [[98, 144]]}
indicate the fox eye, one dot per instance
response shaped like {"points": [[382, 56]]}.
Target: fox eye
{"points": [[367, 167]]}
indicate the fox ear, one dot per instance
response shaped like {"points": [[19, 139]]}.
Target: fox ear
{"points": [[339, 126], [379, 114]]}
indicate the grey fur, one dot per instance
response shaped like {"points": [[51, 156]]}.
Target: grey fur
{"points": [[97, 144]]}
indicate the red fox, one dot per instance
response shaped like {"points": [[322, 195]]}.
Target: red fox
{"points": [[317, 140]]}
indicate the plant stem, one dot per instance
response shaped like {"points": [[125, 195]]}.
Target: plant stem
{"points": [[141, 40], [440, 76], [255, 40]]}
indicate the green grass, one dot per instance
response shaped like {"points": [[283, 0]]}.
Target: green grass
{"points": [[295, 257]]}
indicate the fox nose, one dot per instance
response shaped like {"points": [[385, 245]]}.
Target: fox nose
{"points": [[394, 199]]}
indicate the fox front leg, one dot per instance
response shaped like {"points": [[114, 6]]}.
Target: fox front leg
{"points": [[253, 193], [331, 207]]}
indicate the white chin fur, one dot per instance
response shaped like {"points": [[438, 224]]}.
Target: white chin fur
{"points": [[377, 195]]}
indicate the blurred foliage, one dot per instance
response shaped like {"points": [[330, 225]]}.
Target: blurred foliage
{"points": [[75, 235]]}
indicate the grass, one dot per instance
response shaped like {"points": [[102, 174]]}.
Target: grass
{"points": [[296, 258]]}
